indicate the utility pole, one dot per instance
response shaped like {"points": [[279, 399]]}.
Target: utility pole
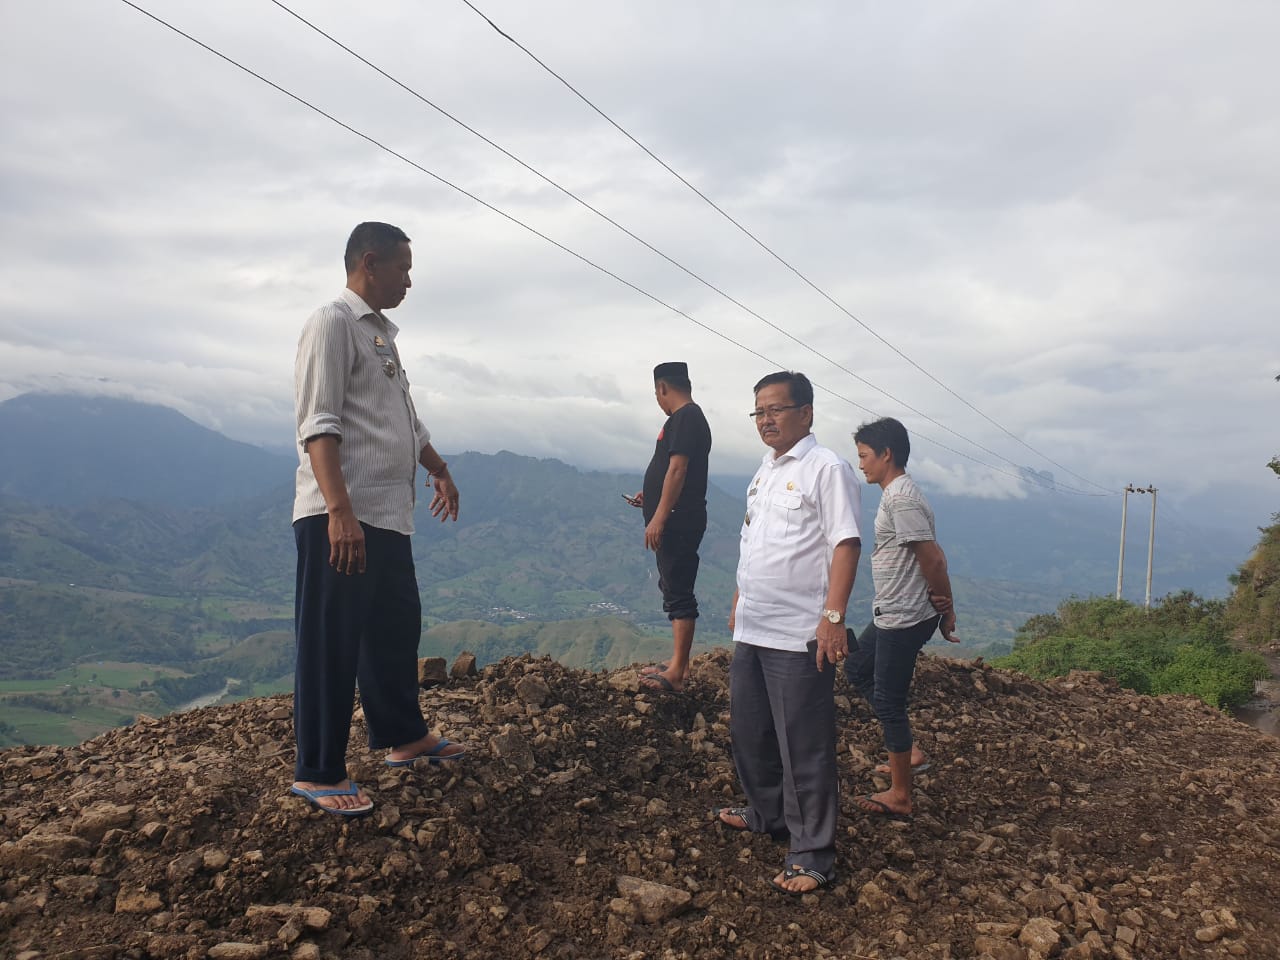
{"points": [[1151, 540], [1124, 516]]}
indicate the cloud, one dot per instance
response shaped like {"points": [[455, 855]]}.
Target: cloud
{"points": [[1082, 253]]}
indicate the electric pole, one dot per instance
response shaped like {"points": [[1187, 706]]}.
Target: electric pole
{"points": [[1151, 540]]}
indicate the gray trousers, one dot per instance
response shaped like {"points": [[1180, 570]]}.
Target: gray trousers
{"points": [[783, 725]]}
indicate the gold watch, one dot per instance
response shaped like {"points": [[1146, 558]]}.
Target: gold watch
{"points": [[833, 616]]}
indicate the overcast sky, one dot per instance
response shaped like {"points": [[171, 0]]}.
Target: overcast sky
{"points": [[1068, 214]]}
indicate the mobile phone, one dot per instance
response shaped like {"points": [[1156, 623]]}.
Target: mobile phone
{"points": [[631, 500]]}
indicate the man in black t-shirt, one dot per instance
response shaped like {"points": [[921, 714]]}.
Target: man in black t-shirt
{"points": [[674, 500]]}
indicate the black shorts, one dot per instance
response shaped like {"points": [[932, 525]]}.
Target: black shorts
{"points": [[677, 570]]}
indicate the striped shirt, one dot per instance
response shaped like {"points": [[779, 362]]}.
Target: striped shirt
{"points": [[902, 593], [348, 382], [800, 506]]}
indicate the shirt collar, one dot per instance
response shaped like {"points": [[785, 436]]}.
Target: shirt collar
{"points": [[797, 452], [362, 309]]}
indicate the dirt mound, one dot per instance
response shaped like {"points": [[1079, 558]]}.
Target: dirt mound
{"points": [[1067, 819]]}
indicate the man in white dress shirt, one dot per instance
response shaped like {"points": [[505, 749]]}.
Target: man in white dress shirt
{"points": [[799, 556], [357, 612]]}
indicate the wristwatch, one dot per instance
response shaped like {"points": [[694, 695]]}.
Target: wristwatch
{"points": [[833, 616]]}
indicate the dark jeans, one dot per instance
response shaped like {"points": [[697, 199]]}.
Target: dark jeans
{"points": [[881, 666], [677, 570], [361, 626]]}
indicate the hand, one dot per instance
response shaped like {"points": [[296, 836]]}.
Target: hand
{"points": [[833, 643], [445, 502], [346, 542], [948, 627], [940, 602], [653, 533], [636, 501]]}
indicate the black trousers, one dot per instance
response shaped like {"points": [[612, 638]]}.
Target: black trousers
{"points": [[677, 557], [364, 627]]}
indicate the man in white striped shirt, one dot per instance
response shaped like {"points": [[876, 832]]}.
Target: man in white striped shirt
{"points": [[357, 611], [913, 599]]}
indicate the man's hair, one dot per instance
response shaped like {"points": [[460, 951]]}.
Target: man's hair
{"points": [[380, 239], [886, 434], [678, 384], [798, 385]]}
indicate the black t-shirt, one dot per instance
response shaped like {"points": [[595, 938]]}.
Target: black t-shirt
{"points": [[685, 432]]}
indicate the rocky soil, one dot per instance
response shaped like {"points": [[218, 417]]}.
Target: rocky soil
{"points": [[1067, 819]]}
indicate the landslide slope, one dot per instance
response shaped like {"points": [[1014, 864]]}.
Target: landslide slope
{"points": [[1063, 819]]}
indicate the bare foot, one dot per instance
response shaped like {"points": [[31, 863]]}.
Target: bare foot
{"points": [[662, 682], [654, 668], [423, 748], [793, 881], [887, 804], [730, 818], [919, 762], [338, 801]]}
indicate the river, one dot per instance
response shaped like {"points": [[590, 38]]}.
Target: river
{"points": [[205, 700]]}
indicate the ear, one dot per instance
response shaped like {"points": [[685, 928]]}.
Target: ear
{"points": [[367, 260]]}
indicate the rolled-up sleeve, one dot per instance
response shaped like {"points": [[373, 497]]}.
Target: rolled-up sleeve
{"points": [[320, 373]]}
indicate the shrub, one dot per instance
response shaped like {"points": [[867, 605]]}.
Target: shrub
{"points": [[1178, 646]]}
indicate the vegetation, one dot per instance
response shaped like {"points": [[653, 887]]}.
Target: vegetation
{"points": [[1179, 646], [1253, 611]]}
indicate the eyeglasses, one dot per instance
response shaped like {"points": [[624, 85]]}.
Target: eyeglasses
{"points": [[772, 412]]}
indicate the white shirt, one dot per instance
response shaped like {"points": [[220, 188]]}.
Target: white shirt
{"points": [[800, 506], [348, 382]]}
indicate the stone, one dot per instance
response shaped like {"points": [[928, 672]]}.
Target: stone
{"points": [[533, 690], [233, 950], [1039, 934], [94, 822], [873, 899], [1005, 931], [998, 949], [214, 859], [432, 672], [1044, 900], [509, 746], [1211, 934], [82, 888], [312, 918], [34, 849], [130, 900], [654, 902], [464, 666]]}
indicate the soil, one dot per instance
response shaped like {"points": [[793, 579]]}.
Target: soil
{"points": [[1063, 819]]}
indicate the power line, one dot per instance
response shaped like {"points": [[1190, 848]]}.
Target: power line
{"points": [[769, 250], [573, 253], [646, 244]]}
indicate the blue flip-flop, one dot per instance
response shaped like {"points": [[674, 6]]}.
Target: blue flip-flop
{"points": [[313, 797], [432, 755]]}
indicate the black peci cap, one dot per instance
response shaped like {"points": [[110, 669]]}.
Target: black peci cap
{"points": [[673, 368]]}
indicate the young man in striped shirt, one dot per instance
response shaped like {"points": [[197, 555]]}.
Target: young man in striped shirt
{"points": [[912, 599]]}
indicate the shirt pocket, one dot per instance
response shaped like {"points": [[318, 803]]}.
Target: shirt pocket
{"points": [[786, 501]]}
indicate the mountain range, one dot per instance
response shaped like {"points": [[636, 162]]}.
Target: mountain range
{"points": [[132, 496], [127, 531]]}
